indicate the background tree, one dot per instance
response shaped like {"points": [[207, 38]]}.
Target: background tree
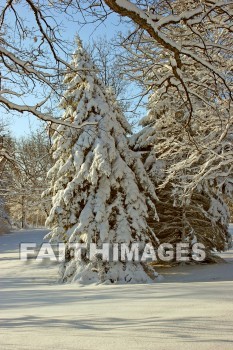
{"points": [[200, 214], [25, 180], [4, 157]]}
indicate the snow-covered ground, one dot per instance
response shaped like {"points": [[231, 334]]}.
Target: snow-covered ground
{"points": [[192, 309]]}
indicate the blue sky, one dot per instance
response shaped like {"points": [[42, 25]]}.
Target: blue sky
{"points": [[20, 125]]}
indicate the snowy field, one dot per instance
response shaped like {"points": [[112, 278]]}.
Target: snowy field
{"points": [[192, 308]]}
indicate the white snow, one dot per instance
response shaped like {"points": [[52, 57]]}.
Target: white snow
{"points": [[193, 309]]}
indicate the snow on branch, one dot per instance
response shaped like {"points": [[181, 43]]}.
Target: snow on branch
{"points": [[45, 117], [175, 36]]}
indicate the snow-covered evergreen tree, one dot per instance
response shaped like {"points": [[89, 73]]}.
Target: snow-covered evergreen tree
{"points": [[101, 192], [181, 163]]}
